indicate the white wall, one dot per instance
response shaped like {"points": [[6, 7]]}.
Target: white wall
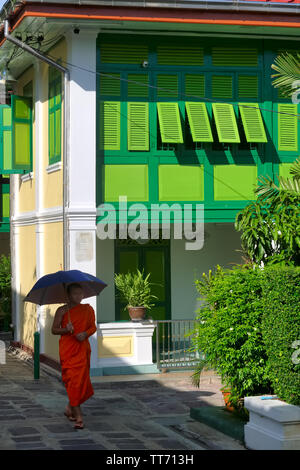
{"points": [[220, 243]]}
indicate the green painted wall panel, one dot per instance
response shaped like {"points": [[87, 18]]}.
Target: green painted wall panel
{"points": [[284, 170], [126, 180], [234, 182], [5, 199], [181, 183]]}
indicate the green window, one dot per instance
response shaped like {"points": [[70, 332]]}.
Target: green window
{"points": [[16, 135], [252, 122], [55, 90]]}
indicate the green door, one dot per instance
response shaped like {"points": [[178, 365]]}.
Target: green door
{"points": [[154, 257]]}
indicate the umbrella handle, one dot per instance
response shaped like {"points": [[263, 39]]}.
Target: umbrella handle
{"points": [[69, 318]]}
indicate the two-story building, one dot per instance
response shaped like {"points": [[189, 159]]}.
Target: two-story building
{"points": [[164, 105]]}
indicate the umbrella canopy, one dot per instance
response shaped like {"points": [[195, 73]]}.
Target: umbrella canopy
{"points": [[51, 289]]}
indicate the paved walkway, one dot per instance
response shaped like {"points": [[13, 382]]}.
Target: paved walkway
{"points": [[149, 411]]}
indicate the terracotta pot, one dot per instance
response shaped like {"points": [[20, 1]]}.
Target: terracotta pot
{"points": [[137, 313], [226, 400]]}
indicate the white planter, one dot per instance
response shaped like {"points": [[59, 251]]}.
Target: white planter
{"points": [[273, 425]]}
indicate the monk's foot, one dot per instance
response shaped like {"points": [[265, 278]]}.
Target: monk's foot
{"points": [[69, 415], [79, 424]]}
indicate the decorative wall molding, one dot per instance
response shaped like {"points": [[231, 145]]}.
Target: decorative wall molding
{"points": [[54, 167], [27, 176]]}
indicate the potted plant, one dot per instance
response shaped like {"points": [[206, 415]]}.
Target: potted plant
{"points": [[136, 290]]}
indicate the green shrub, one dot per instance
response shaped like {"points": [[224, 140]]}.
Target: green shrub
{"points": [[281, 328], [5, 291], [229, 332]]}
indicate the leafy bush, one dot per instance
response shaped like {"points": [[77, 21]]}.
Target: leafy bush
{"points": [[135, 288], [5, 289], [229, 332], [281, 329]]}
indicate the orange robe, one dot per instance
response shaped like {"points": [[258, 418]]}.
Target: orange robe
{"points": [[75, 355]]}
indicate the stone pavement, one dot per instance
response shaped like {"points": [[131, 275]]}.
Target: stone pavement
{"points": [[149, 411]]}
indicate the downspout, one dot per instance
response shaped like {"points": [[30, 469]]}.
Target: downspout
{"points": [[40, 56]]}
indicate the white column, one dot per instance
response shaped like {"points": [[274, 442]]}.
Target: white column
{"points": [[39, 180], [81, 213]]}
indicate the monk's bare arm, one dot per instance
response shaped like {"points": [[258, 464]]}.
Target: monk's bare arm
{"points": [[56, 329]]}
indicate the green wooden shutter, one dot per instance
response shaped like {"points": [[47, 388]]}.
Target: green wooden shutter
{"points": [[247, 86], [195, 85], [222, 86], [21, 132], [110, 125], [234, 56], [252, 122], [169, 122], [199, 122], [110, 84], [225, 122], [6, 164], [138, 85], [287, 127], [138, 126], [180, 55], [114, 53], [168, 85]]}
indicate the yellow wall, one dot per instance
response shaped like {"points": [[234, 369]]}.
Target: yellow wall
{"points": [[27, 188], [53, 242], [53, 183], [27, 265]]}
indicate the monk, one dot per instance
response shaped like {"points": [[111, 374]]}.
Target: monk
{"points": [[75, 350]]}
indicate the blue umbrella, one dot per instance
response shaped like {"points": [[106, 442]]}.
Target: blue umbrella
{"points": [[51, 289]]}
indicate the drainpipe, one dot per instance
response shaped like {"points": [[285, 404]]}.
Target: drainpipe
{"points": [[40, 56]]}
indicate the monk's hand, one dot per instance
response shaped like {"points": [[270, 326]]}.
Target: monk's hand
{"points": [[70, 328], [81, 336]]}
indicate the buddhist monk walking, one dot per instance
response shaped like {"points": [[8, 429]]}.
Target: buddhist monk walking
{"points": [[75, 327]]}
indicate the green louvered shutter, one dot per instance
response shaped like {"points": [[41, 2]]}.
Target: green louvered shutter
{"points": [[138, 85], [180, 55], [6, 164], [199, 122], [234, 57], [222, 86], [110, 125], [226, 123], [169, 122], [287, 127], [138, 126], [113, 53], [252, 122], [110, 84], [21, 132], [247, 86]]}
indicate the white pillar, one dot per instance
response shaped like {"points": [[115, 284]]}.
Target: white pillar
{"points": [[81, 213], [39, 180]]}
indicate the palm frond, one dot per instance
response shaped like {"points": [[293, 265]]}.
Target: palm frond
{"points": [[288, 68], [295, 169]]}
